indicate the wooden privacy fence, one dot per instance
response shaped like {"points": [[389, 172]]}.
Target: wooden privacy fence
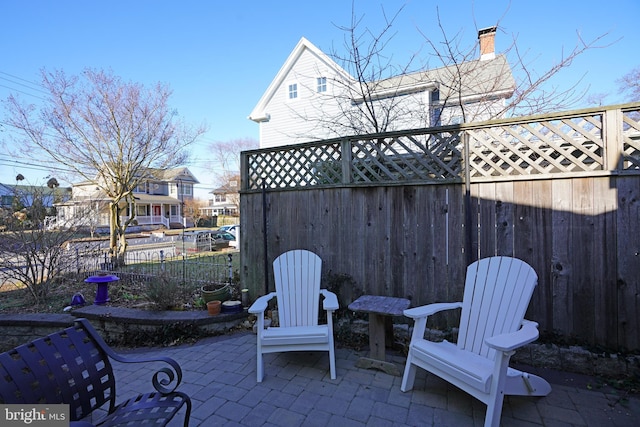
{"points": [[404, 213]]}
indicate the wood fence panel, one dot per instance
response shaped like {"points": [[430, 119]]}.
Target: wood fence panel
{"points": [[373, 241], [584, 251], [318, 227], [435, 209], [541, 250], [605, 201], [628, 262], [580, 234], [453, 277], [409, 218], [354, 260], [486, 221], [505, 211], [560, 280], [423, 286], [276, 210], [252, 255], [385, 242]]}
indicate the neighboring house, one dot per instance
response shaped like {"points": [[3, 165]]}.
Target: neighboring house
{"points": [[158, 202], [313, 98], [224, 200], [27, 193]]}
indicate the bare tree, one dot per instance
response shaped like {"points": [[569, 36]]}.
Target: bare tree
{"points": [[225, 161], [372, 92], [629, 85], [225, 157], [107, 131], [192, 210], [33, 256]]}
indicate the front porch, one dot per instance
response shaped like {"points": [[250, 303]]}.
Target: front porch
{"points": [[171, 221]]}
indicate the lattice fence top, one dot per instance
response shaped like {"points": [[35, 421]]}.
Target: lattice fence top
{"points": [[582, 142], [542, 147], [631, 142]]}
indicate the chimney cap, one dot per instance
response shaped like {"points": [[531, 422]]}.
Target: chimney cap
{"points": [[488, 30]]}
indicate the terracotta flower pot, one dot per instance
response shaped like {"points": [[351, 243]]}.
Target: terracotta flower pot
{"points": [[213, 307]]}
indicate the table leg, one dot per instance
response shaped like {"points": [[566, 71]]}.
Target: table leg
{"points": [[377, 334], [378, 328]]}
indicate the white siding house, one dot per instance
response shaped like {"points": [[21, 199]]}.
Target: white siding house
{"points": [[224, 200], [294, 95], [158, 202], [313, 98]]}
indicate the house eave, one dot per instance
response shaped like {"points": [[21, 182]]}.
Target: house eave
{"points": [[259, 118], [500, 94], [398, 91], [258, 113]]}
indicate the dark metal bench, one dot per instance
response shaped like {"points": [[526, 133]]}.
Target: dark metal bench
{"points": [[73, 367]]}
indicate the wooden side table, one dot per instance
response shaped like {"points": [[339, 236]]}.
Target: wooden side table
{"points": [[380, 309]]}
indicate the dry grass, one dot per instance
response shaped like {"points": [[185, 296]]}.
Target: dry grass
{"points": [[15, 299]]}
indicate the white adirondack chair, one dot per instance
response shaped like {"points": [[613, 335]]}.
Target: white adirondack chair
{"points": [[492, 326], [297, 280]]}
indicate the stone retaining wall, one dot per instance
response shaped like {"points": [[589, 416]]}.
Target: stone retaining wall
{"points": [[21, 328], [115, 325], [562, 358]]}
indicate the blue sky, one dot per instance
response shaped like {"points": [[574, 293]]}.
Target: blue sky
{"points": [[218, 57]]}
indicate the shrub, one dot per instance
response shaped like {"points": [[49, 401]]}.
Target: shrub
{"points": [[164, 292]]}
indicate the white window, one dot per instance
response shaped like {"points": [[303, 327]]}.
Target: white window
{"points": [[142, 210], [322, 84], [185, 189], [141, 188], [293, 91]]}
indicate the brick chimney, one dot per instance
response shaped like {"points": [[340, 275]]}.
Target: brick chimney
{"points": [[487, 38]]}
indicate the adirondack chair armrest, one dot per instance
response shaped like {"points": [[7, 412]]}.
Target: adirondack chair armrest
{"points": [[429, 309], [509, 342], [330, 302], [260, 305], [420, 315]]}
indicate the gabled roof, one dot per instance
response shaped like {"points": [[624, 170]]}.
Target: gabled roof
{"points": [[178, 174], [167, 175], [259, 114], [468, 79], [463, 81]]}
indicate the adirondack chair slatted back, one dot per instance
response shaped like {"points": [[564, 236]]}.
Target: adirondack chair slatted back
{"points": [[297, 279], [496, 296]]}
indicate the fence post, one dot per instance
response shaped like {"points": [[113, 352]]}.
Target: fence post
{"points": [[612, 139], [230, 257], [345, 152], [161, 259], [468, 215]]}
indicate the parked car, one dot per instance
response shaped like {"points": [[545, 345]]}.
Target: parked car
{"points": [[215, 240], [201, 241], [233, 229]]}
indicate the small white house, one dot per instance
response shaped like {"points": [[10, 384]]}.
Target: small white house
{"points": [[224, 200]]}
